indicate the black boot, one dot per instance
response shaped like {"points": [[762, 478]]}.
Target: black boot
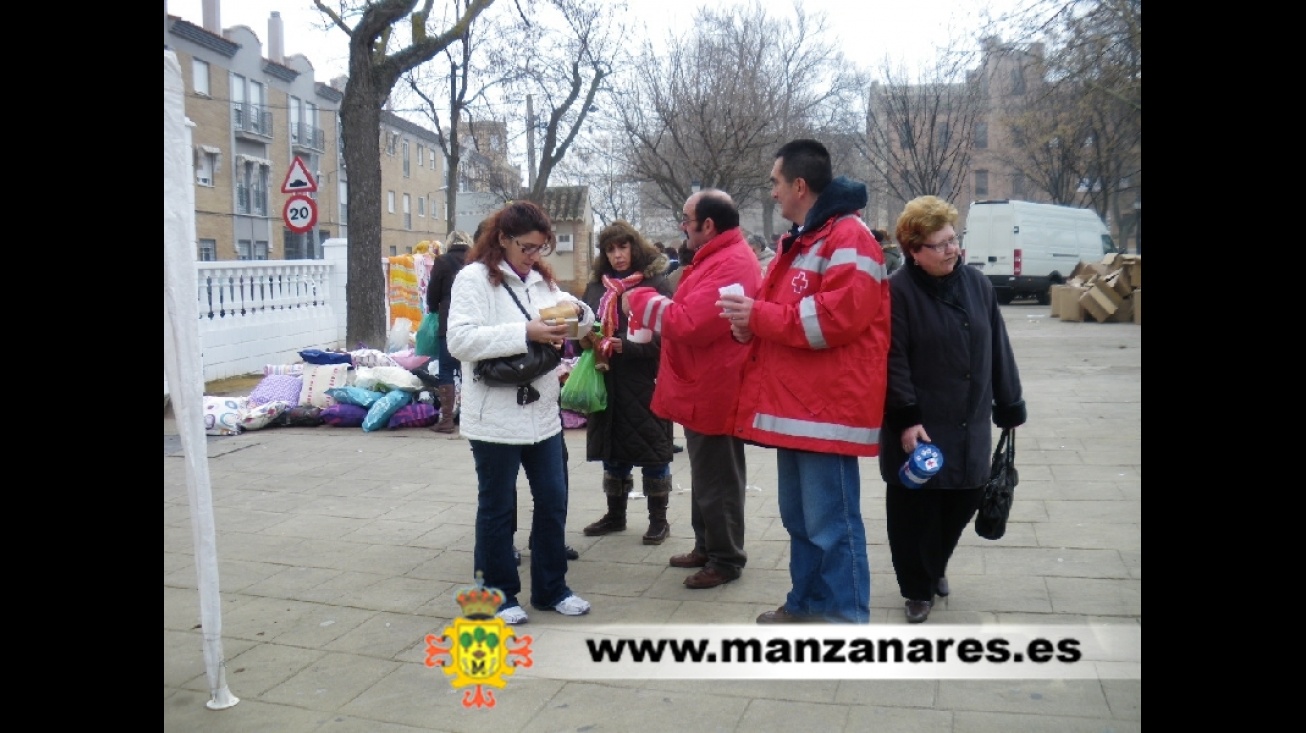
{"points": [[618, 493], [658, 491]]}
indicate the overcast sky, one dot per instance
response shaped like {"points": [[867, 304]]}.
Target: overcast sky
{"points": [[868, 31]]}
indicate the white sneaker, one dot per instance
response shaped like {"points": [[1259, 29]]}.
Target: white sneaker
{"points": [[516, 615], [573, 605]]}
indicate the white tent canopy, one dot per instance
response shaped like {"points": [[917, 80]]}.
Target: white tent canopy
{"points": [[182, 368]]}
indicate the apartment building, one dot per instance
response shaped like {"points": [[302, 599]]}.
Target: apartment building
{"points": [[412, 184], [253, 113]]}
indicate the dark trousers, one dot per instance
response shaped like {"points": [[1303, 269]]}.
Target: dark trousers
{"points": [[718, 479], [924, 528], [497, 468]]}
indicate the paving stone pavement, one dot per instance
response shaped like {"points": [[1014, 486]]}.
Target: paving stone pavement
{"points": [[339, 550]]}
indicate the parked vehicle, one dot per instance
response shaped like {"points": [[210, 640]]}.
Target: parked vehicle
{"points": [[1025, 248]]}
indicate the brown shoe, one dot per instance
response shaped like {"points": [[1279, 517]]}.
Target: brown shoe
{"points": [[691, 559], [782, 616], [707, 578]]}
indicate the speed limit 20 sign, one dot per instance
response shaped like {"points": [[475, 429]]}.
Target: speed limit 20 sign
{"points": [[300, 213]]}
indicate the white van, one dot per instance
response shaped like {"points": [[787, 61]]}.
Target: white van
{"points": [[1024, 248]]}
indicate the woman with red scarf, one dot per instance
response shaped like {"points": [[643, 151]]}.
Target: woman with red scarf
{"points": [[627, 434]]}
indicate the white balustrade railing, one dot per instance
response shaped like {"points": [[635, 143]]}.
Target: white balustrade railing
{"points": [[239, 289]]}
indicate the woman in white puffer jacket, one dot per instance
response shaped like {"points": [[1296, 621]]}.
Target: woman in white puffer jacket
{"points": [[510, 428]]}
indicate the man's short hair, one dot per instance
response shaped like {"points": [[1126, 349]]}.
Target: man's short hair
{"points": [[806, 159], [717, 206]]}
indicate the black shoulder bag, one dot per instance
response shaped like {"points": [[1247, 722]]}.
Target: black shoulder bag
{"points": [[995, 505], [519, 370]]}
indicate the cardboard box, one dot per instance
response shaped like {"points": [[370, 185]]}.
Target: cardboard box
{"points": [[1125, 313], [1137, 297], [1055, 300], [1069, 309], [1120, 282], [1100, 302]]}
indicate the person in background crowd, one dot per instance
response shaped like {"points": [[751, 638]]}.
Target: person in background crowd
{"points": [[763, 252], [505, 432], [673, 258], [892, 254], [698, 380], [813, 384], [951, 372], [627, 433], [443, 272]]}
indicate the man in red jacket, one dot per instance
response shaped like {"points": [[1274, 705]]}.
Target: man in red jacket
{"points": [[814, 380], [698, 380]]}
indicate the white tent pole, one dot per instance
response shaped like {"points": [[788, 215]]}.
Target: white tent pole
{"points": [[183, 368]]}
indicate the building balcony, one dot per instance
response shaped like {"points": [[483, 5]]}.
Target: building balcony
{"points": [[251, 122], [305, 137]]}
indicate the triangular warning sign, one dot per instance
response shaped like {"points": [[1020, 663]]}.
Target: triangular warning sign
{"points": [[298, 179]]}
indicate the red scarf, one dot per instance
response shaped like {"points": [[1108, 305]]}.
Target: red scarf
{"points": [[608, 305]]}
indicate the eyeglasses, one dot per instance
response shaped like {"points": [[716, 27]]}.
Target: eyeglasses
{"points": [[528, 249], [942, 246], [685, 219]]}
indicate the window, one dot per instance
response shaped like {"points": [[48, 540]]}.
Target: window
{"points": [[260, 250], [343, 192], [432, 158], [199, 76], [981, 135], [981, 184], [943, 135], [905, 135], [391, 140], [390, 201], [421, 155], [294, 244], [296, 110], [407, 165], [408, 213], [421, 206], [208, 250], [1018, 185], [243, 248], [565, 243], [206, 166], [1017, 80], [394, 251]]}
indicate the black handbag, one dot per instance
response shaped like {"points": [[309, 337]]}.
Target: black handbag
{"points": [[519, 370], [995, 504]]}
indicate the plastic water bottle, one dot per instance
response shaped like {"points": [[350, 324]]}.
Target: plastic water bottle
{"points": [[920, 466]]}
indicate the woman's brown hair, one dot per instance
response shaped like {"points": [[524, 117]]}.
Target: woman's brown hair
{"points": [[513, 220]]}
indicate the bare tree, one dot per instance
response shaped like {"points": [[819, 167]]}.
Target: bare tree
{"points": [[571, 49], [713, 108], [1080, 138], [374, 69], [450, 90], [920, 129]]}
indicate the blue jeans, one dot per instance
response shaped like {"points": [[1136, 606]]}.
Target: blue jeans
{"points": [[820, 506], [449, 366], [622, 470], [496, 474]]}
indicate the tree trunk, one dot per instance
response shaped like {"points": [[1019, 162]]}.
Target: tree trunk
{"points": [[365, 324]]}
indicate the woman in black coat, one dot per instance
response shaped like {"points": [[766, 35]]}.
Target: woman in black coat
{"points": [[627, 434], [951, 372]]}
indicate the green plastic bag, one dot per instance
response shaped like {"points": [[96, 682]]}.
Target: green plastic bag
{"points": [[428, 336], [585, 391]]}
